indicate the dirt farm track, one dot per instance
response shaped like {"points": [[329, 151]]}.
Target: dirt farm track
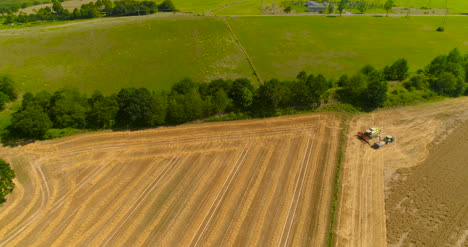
{"points": [[247, 183]]}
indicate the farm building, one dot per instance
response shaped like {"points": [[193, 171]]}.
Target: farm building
{"points": [[313, 6]]}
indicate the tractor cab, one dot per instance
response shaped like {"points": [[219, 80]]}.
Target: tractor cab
{"points": [[389, 139]]}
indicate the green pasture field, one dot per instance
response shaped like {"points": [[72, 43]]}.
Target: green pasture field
{"points": [[8, 3], [455, 6], [199, 6], [247, 7], [155, 51], [281, 46], [108, 54]]}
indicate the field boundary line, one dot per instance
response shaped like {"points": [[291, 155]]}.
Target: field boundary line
{"points": [[249, 59], [337, 184]]}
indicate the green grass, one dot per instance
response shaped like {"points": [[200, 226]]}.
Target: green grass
{"points": [[280, 47], [5, 115], [112, 53], [8, 3], [199, 6], [455, 6], [156, 51], [247, 7]]}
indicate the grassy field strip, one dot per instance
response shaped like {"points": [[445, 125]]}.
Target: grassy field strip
{"points": [[108, 54], [244, 51], [227, 5], [283, 46], [247, 7], [158, 50]]}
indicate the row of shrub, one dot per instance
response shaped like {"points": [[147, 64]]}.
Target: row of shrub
{"points": [[134, 108], [6, 180], [7, 91], [92, 10]]}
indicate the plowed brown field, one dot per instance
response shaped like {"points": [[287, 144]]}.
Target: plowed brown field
{"points": [[245, 183], [368, 174]]}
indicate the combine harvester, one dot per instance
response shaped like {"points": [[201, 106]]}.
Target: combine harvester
{"points": [[374, 133]]}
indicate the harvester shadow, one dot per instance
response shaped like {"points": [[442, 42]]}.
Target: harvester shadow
{"points": [[362, 141]]}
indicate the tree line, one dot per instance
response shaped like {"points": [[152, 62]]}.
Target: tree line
{"points": [[7, 91], [100, 8], [6, 180], [134, 108]]}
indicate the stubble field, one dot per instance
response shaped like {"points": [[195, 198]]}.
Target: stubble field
{"points": [[248, 183], [411, 192]]}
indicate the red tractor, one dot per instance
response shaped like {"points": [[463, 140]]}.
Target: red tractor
{"points": [[369, 134]]}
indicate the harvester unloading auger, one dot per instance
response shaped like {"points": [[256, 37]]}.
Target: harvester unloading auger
{"points": [[374, 133]]}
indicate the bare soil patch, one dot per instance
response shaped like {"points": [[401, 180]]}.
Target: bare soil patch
{"points": [[428, 204]]}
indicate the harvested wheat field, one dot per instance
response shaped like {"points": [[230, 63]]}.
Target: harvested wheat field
{"points": [[244, 183], [388, 196]]}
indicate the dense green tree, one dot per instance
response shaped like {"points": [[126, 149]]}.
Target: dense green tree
{"points": [[330, 8], [376, 92], [3, 100], [135, 108], [220, 101], [417, 82], [344, 80], [184, 86], [368, 69], [57, 7], [167, 6], [362, 7], [7, 86], [318, 85], [107, 7], [6, 180], [448, 84], [89, 10], [43, 99], [76, 14], [342, 5], [159, 109], [31, 122], [102, 111], [269, 97], [388, 5], [356, 84], [176, 110], [455, 56], [398, 71], [28, 100], [302, 76], [219, 84], [437, 66], [68, 109], [241, 94]]}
